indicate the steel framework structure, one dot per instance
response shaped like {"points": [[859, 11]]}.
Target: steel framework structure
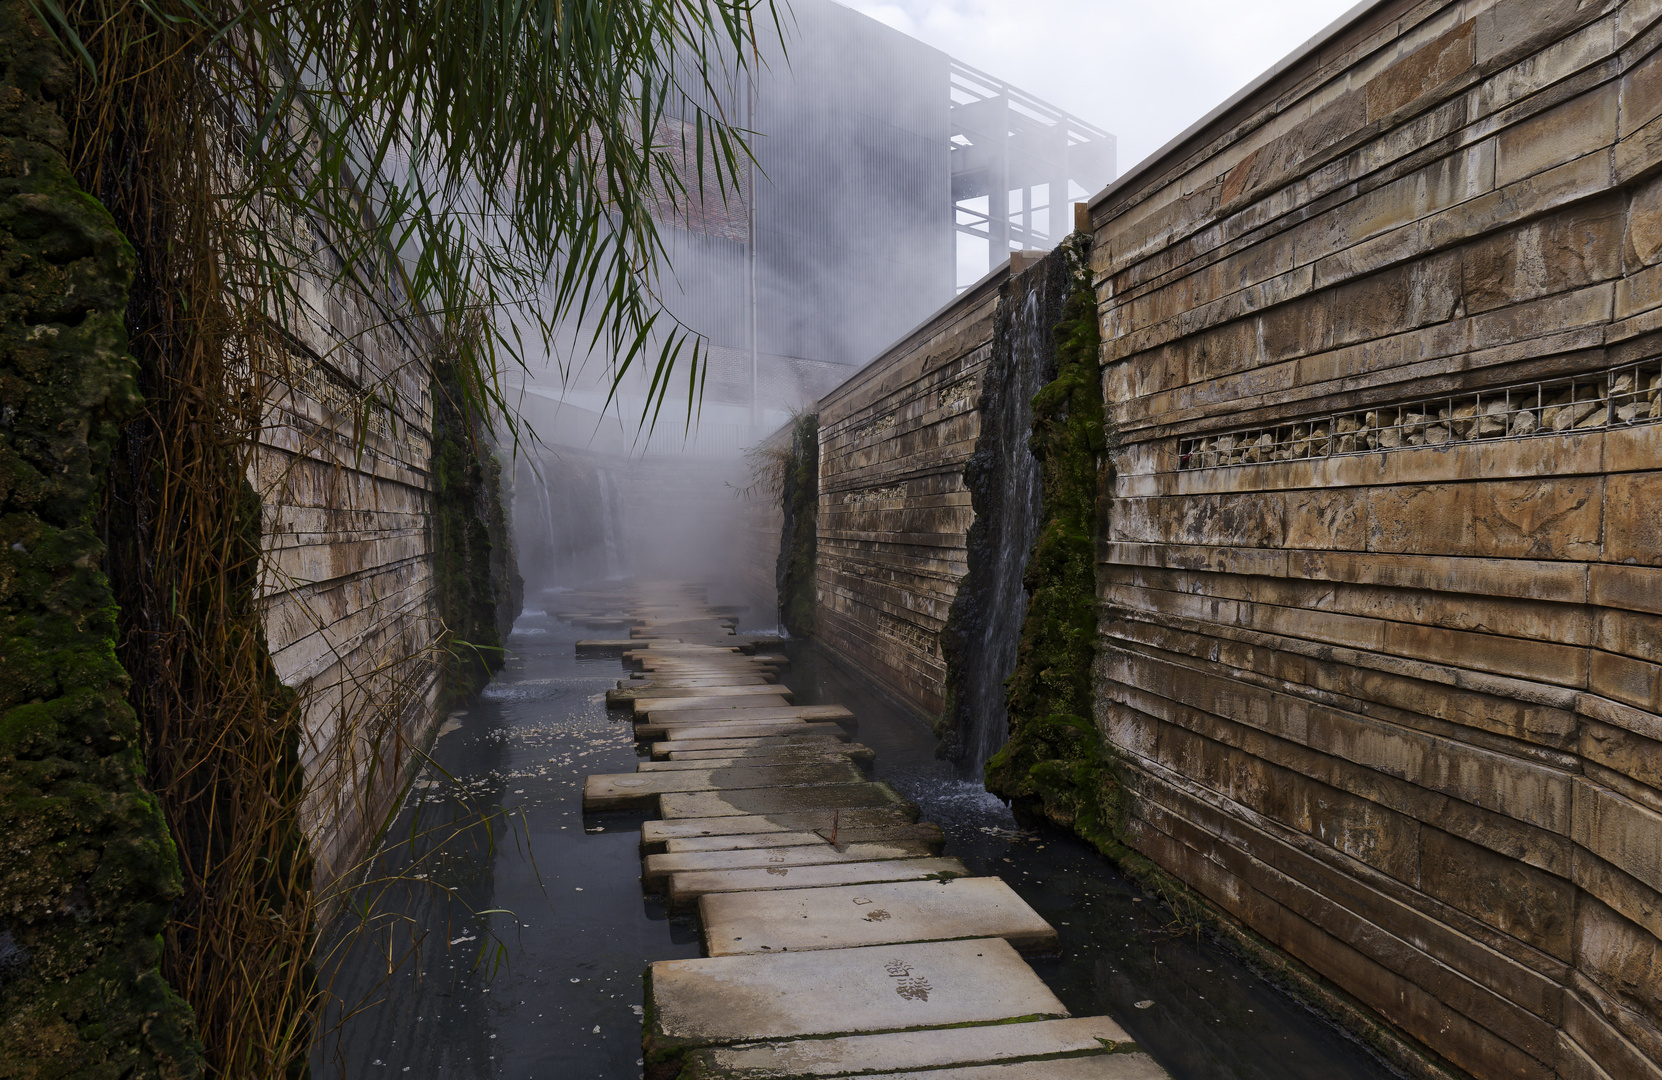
{"points": [[1007, 143]]}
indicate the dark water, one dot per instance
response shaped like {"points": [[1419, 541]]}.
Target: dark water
{"points": [[1205, 1015], [520, 953]]}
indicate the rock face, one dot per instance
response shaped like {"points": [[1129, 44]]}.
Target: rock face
{"points": [[87, 868], [1381, 582]]}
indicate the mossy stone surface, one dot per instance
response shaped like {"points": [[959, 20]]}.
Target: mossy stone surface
{"points": [[1056, 764], [799, 544], [87, 868], [478, 588]]}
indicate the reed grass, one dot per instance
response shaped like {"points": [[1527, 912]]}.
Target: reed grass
{"points": [[482, 178]]}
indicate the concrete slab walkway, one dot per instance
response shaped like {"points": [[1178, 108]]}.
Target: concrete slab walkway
{"points": [[839, 941]]}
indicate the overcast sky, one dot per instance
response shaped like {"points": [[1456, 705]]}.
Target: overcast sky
{"points": [[1143, 69]]}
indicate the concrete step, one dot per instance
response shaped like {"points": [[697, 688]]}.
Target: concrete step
{"points": [[891, 911], [663, 751], [654, 834], [729, 999], [617, 791], [687, 888], [629, 696], [602, 645], [700, 804], [1091, 1035], [738, 728], [924, 832], [1100, 1066], [656, 682], [858, 755], [771, 697], [655, 869], [657, 713]]}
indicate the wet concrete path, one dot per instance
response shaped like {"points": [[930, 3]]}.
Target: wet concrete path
{"points": [[522, 990]]}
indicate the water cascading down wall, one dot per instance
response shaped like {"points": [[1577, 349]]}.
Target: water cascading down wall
{"points": [[1377, 680]]}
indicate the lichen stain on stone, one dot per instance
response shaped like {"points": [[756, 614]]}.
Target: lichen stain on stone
{"points": [[87, 868]]}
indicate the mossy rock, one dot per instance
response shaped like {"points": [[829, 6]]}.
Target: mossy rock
{"points": [[87, 867]]}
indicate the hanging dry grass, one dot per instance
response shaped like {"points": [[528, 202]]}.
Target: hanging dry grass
{"points": [[232, 143]]}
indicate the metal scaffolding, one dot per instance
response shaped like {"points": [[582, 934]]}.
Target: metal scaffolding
{"points": [[1007, 147]]}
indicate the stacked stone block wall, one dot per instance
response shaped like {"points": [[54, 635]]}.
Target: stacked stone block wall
{"points": [[894, 511], [344, 473], [1381, 585]]}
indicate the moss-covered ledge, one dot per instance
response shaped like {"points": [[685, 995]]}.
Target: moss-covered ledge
{"points": [[87, 868]]}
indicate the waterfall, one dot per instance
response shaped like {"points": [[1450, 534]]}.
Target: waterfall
{"points": [[609, 526], [984, 626], [548, 516]]}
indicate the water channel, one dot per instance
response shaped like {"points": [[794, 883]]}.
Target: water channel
{"points": [[503, 935]]}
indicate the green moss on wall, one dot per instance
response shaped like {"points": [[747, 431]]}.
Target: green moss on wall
{"points": [[799, 542], [478, 589], [1055, 763], [87, 869]]}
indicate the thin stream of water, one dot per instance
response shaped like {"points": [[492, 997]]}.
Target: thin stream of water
{"points": [[508, 934]]}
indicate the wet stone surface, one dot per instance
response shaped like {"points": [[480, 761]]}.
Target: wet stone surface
{"points": [[522, 990], [549, 985]]}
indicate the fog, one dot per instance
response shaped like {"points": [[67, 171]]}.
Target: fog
{"points": [[849, 238]]}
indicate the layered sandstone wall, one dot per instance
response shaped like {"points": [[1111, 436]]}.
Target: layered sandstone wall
{"points": [[894, 511], [1381, 588], [343, 471]]}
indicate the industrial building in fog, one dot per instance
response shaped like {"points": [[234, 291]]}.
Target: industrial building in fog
{"points": [[887, 176]]}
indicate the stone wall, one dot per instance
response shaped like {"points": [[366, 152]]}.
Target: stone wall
{"points": [[1382, 581], [352, 624], [893, 508]]}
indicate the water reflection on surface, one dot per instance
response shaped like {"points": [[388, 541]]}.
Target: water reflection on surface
{"points": [[520, 953]]}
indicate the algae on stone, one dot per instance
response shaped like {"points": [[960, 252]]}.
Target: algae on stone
{"points": [[477, 587], [87, 867], [1056, 763], [799, 544]]}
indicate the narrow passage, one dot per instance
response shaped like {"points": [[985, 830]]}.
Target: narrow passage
{"points": [[836, 940]]}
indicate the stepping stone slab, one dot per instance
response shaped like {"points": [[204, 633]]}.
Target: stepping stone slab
{"points": [[728, 999], [772, 696], [660, 713], [721, 690], [601, 645], [737, 728], [893, 911], [663, 751], [685, 681], [907, 1050], [757, 761], [654, 834], [780, 800], [685, 889], [615, 791], [926, 833], [655, 869], [1094, 1067]]}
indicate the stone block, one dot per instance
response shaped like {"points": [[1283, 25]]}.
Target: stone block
{"points": [[688, 886], [1619, 831], [1532, 906], [1509, 29], [1574, 129], [908, 1050], [1634, 682], [1633, 528], [1621, 957], [728, 999], [1422, 71], [1570, 249], [887, 911]]}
